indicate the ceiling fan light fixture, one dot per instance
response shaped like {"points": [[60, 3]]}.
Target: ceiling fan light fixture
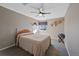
{"points": [[40, 14]]}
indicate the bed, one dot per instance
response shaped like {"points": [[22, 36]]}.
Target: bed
{"points": [[36, 44]]}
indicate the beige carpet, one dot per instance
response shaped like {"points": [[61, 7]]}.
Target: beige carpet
{"points": [[56, 49], [52, 52], [15, 51]]}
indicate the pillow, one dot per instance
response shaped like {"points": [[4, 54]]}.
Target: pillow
{"points": [[22, 31], [22, 34]]}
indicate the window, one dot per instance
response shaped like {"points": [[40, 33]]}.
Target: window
{"points": [[42, 25]]}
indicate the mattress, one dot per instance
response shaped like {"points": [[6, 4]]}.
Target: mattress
{"points": [[36, 44]]}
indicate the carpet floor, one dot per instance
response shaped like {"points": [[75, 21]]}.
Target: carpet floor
{"points": [[56, 49], [16, 51]]}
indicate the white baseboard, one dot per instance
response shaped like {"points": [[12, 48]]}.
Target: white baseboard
{"points": [[7, 47], [67, 49]]}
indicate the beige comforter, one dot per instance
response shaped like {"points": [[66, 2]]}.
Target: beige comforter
{"points": [[36, 44]]}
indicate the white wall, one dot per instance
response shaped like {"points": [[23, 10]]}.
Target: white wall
{"points": [[72, 29], [9, 21], [53, 31]]}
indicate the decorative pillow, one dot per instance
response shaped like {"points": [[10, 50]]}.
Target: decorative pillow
{"points": [[23, 34], [22, 31]]}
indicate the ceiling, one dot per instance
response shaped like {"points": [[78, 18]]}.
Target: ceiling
{"points": [[57, 9]]}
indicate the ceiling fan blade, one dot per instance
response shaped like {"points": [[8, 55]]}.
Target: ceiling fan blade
{"points": [[33, 12], [47, 13], [42, 7]]}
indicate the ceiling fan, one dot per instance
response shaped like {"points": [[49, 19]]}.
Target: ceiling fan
{"points": [[40, 11]]}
